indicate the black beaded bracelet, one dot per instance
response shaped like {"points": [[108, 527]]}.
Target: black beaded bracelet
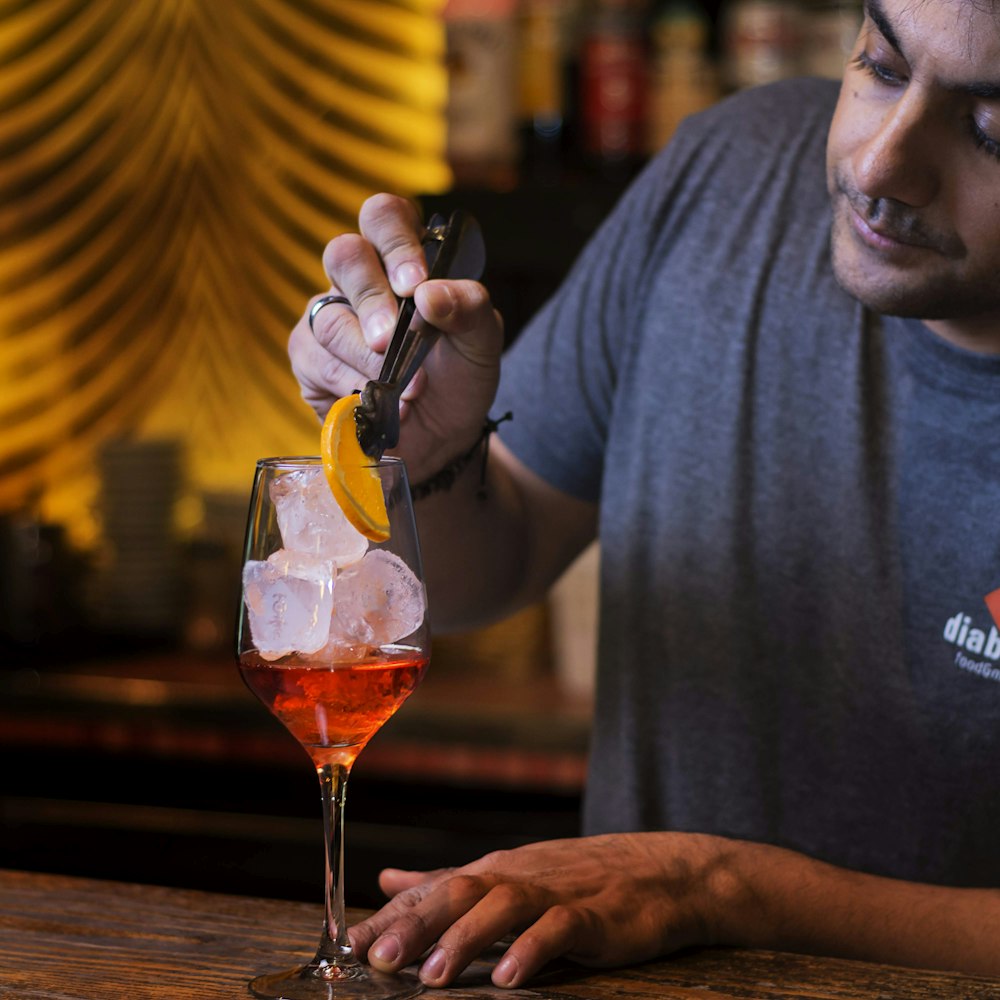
{"points": [[445, 479]]}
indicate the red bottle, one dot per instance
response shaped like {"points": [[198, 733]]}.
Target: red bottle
{"points": [[614, 82]]}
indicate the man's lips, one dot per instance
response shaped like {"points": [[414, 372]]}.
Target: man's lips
{"points": [[889, 226], [884, 236]]}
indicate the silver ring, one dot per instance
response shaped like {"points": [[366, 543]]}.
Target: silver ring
{"points": [[326, 300]]}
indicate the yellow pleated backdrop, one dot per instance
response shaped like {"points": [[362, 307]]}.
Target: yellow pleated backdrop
{"points": [[170, 171]]}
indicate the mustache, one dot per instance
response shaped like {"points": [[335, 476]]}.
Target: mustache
{"points": [[897, 221]]}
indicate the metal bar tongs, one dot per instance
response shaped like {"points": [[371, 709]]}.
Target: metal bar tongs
{"points": [[453, 248]]}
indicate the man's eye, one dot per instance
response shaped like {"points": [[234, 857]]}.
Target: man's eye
{"points": [[986, 142], [876, 70]]}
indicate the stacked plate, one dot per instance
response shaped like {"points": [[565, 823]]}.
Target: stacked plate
{"points": [[140, 483]]}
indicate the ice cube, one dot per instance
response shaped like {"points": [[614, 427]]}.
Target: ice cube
{"points": [[337, 649], [289, 600], [379, 600], [310, 519]]}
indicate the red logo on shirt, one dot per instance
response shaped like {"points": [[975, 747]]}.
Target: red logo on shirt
{"points": [[993, 603]]}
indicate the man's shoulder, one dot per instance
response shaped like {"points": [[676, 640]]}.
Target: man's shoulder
{"points": [[758, 154], [789, 109], [766, 139]]}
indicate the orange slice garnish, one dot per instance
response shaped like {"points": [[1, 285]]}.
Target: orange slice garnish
{"points": [[353, 480]]}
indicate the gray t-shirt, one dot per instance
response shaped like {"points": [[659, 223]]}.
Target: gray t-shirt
{"points": [[799, 516]]}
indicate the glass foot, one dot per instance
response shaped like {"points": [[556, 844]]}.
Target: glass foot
{"points": [[313, 982]]}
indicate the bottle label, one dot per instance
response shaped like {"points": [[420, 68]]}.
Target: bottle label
{"points": [[614, 95]]}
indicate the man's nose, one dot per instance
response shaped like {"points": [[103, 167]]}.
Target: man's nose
{"points": [[898, 160]]}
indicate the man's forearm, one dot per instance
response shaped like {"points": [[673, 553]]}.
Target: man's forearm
{"points": [[469, 541], [774, 898], [489, 551]]}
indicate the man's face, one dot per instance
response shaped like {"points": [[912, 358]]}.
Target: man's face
{"points": [[913, 167]]}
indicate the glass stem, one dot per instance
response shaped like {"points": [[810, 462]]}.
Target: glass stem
{"points": [[334, 946]]}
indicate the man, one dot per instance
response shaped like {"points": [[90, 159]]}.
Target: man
{"points": [[771, 386]]}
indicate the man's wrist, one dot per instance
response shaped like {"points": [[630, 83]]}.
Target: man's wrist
{"points": [[734, 911], [705, 879], [445, 477]]}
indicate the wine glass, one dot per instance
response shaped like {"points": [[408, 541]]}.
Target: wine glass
{"points": [[332, 638]]}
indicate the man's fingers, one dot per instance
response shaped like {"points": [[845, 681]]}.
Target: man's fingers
{"points": [[394, 880], [454, 305], [393, 226], [464, 311], [335, 326], [332, 348], [407, 889], [364, 934], [556, 933], [354, 267], [322, 377], [505, 906], [419, 922]]}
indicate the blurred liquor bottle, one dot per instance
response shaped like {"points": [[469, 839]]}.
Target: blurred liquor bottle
{"points": [[541, 88], [763, 41], [683, 79], [830, 28], [481, 50], [769, 40], [614, 60]]}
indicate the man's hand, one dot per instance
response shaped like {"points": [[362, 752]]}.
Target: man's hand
{"points": [[601, 901], [625, 898], [447, 401]]}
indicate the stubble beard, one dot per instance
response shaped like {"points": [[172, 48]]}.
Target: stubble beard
{"points": [[933, 287], [931, 292]]}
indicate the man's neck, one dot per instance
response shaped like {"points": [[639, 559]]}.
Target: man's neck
{"points": [[982, 336]]}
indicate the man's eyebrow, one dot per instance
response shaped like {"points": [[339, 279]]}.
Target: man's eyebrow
{"points": [[987, 90], [874, 10]]}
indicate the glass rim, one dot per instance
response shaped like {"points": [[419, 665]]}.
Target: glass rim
{"points": [[300, 461]]}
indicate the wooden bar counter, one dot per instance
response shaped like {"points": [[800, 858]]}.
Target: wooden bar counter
{"points": [[65, 938]]}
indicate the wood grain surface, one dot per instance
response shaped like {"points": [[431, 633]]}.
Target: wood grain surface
{"points": [[76, 939]]}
